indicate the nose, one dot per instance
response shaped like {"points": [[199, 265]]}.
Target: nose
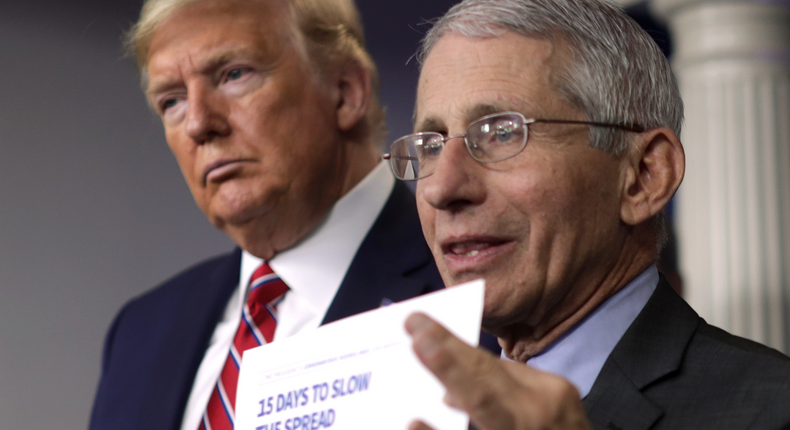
{"points": [[207, 115], [457, 181]]}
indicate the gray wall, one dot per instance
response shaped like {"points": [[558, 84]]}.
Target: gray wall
{"points": [[93, 210]]}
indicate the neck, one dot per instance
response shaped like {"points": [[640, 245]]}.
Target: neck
{"points": [[523, 342], [361, 159]]}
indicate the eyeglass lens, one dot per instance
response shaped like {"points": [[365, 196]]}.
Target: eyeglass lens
{"points": [[491, 138], [496, 137]]}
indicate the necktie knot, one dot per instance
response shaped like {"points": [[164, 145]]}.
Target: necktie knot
{"points": [[265, 287], [266, 290]]}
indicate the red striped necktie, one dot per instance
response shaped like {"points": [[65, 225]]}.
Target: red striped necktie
{"points": [[258, 321]]}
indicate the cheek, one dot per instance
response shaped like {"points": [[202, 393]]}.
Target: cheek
{"points": [[574, 211], [427, 218], [185, 157], [538, 192], [556, 189], [295, 127], [185, 154]]}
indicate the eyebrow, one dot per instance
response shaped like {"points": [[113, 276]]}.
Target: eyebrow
{"points": [[159, 86], [432, 123], [482, 110], [214, 62], [207, 66]]}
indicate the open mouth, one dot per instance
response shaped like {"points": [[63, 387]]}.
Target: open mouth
{"points": [[468, 254], [470, 249]]}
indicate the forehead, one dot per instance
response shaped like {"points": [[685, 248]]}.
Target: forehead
{"points": [[207, 29], [464, 78]]}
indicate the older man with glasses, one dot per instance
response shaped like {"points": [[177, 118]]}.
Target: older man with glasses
{"points": [[546, 148]]}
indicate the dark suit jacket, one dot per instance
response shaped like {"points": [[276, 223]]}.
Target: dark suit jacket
{"points": [[157, 341], [672, 370]]}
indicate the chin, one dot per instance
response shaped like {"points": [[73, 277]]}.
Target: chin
{"points": [[505, 307], [232, 222], [237, 208]]}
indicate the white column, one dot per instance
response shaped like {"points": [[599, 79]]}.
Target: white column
{"points": [[732, 60]]}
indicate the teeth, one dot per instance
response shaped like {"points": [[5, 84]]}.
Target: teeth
{"points": [[469, 249]]}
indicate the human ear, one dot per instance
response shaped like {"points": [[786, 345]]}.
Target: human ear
{"points": [[354, 94], [652, 170]]}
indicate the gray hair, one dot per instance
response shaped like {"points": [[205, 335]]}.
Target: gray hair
{"points": [[616, 73], [328, 34]]}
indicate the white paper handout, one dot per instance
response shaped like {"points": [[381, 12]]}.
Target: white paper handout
{"points": [[356, 373]]}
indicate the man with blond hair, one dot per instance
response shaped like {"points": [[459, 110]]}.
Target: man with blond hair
{"points": [[271, 111]]}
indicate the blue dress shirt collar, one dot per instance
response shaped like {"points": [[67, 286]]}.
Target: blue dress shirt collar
{"points": [[580, 353]]}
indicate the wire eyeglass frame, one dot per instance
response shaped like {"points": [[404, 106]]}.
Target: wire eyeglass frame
{"points": [[488, 139]]}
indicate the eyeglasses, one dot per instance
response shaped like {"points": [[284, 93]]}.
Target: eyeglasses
{"points": [[489, 139]]}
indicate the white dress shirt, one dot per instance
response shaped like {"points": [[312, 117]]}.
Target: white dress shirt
{"points": [[579, 354], [313, 270]]}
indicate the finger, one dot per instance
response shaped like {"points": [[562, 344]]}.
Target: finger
{"points": [[497, 394], [551, 399], [474, 380]]}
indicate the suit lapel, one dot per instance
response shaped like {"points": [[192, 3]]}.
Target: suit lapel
{"points": [[652, 348], [393, 262], [205, 294]]}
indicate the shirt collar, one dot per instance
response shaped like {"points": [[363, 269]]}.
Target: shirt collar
{"points": [[579, 354], [316, 266]]}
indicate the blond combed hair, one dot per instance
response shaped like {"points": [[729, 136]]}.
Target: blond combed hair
{"points": [[328, 34]]}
